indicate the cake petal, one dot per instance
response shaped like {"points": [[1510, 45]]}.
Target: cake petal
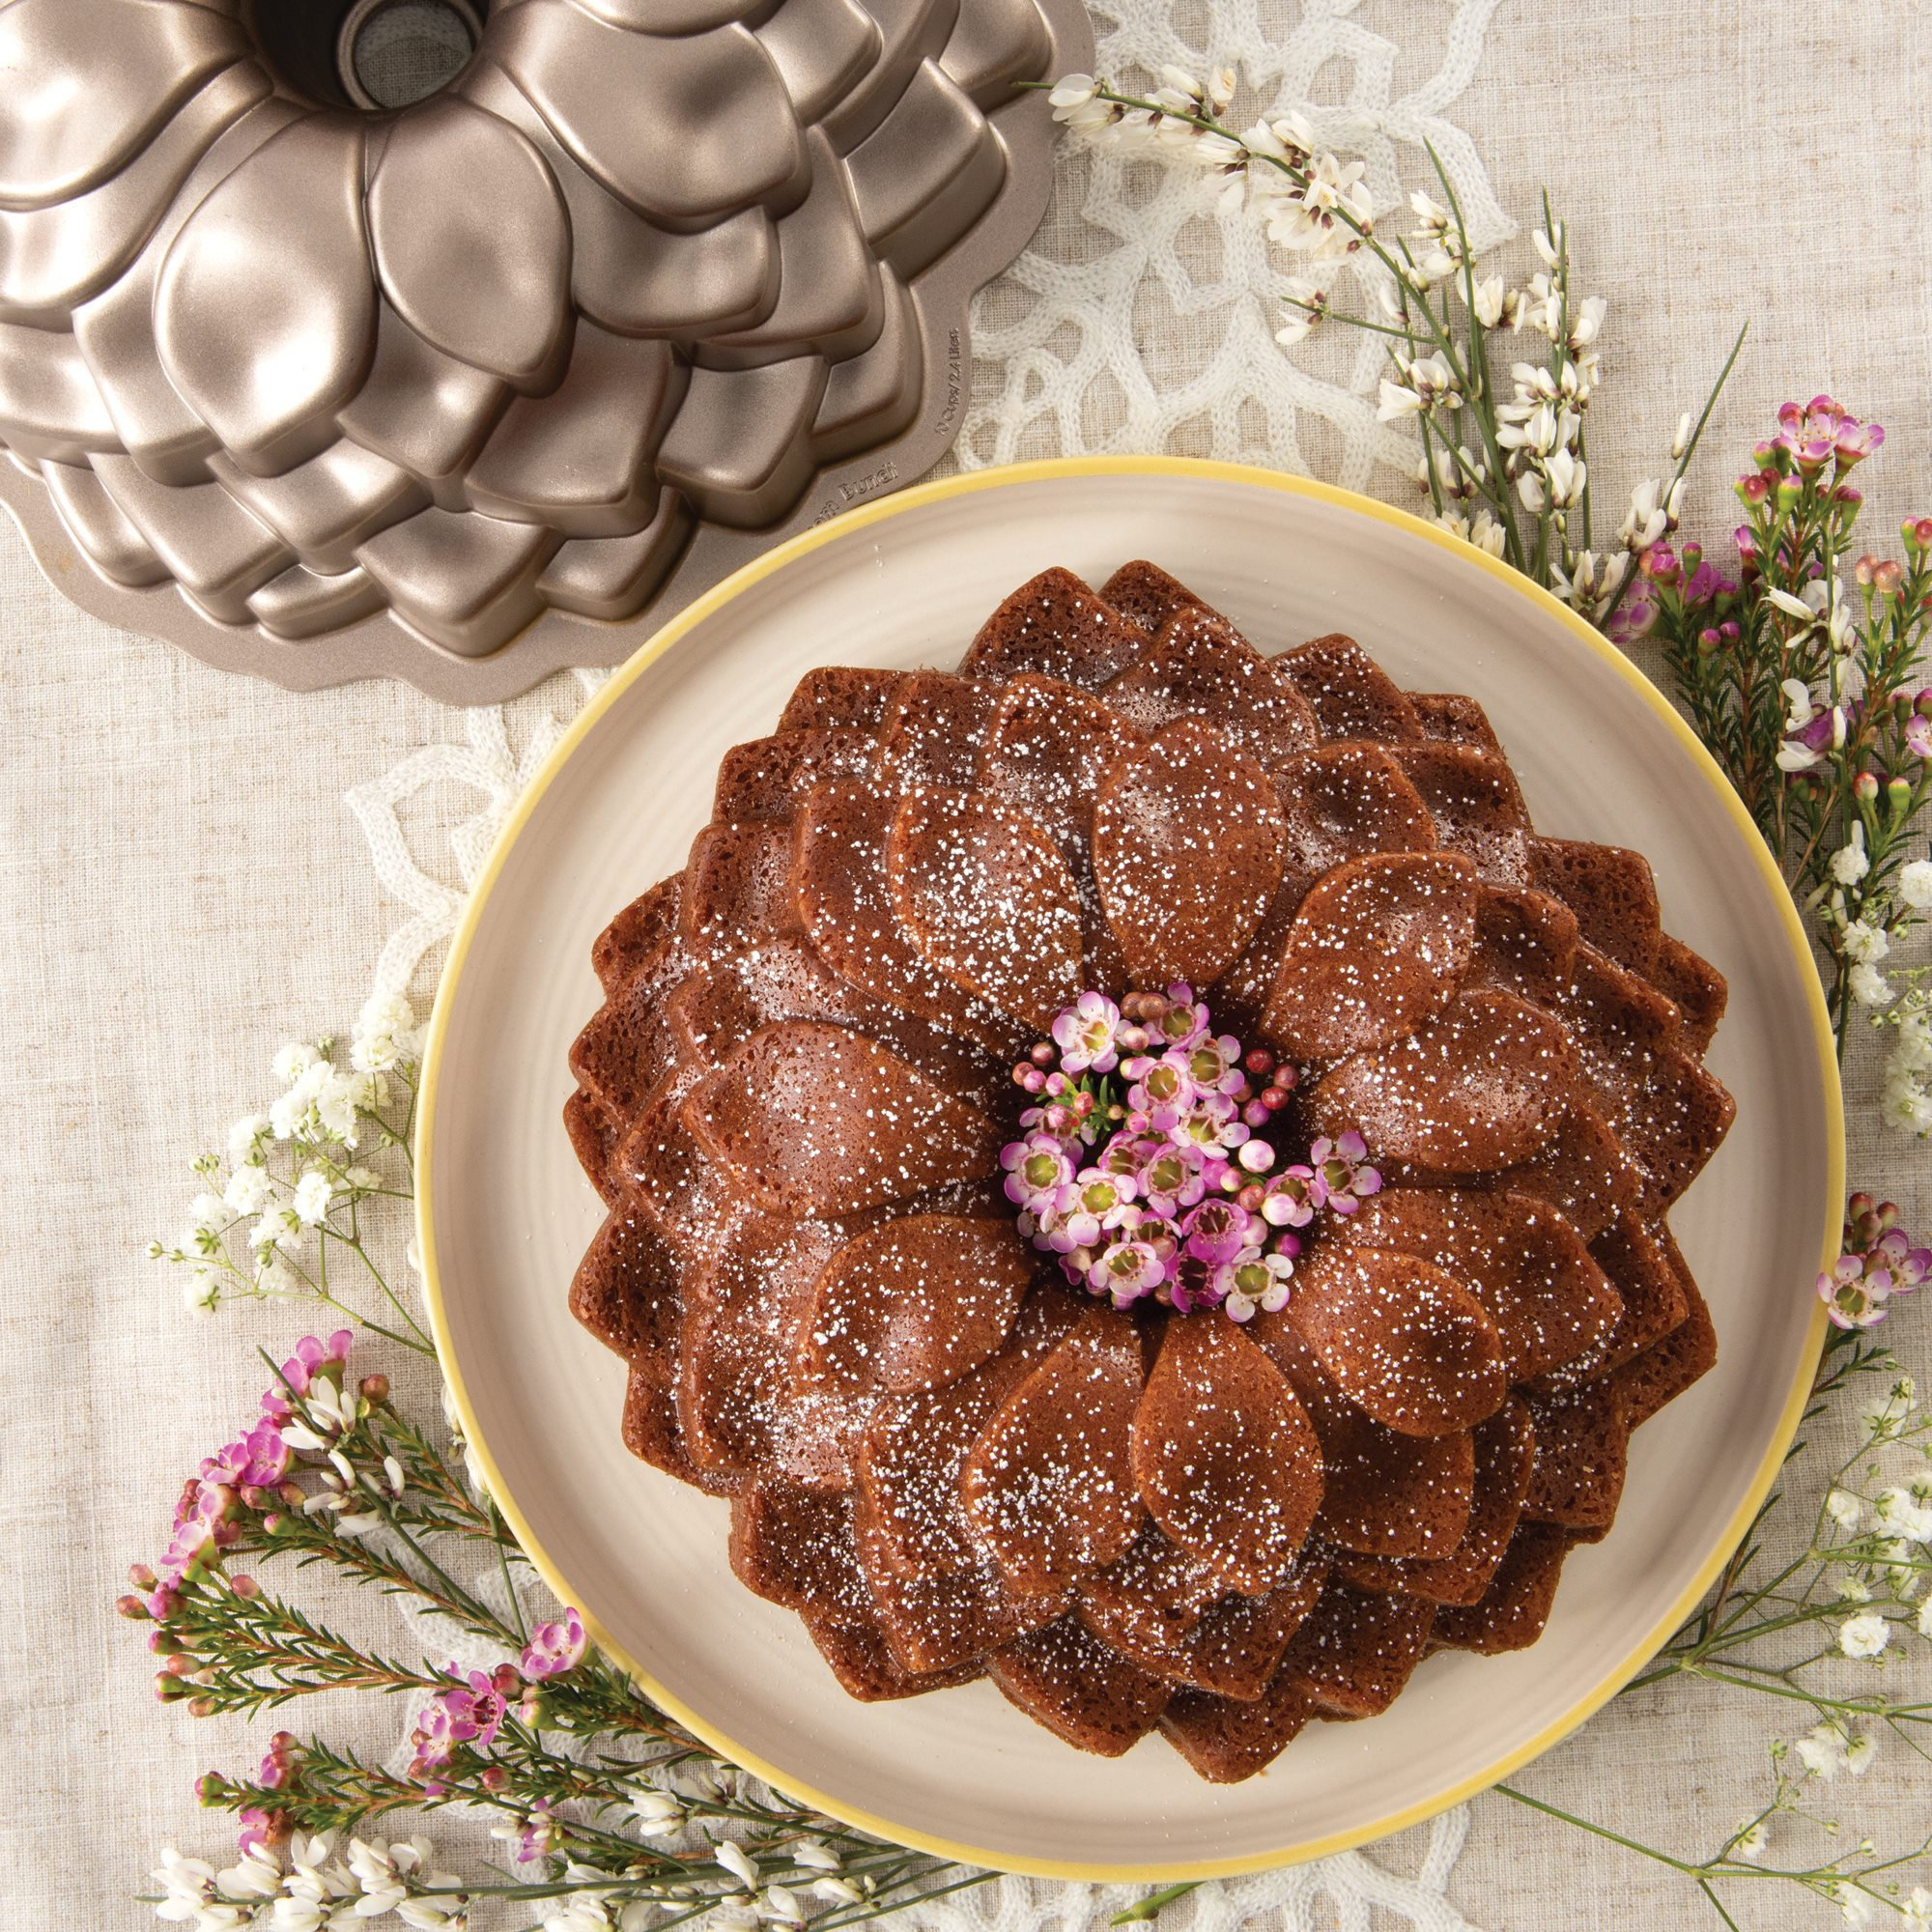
{"points": [[1069, 1682], [814, 1118], [989, 899], [836, 695], [723, 1005], [793, 1547], [627, 1291], [1582, 1446], [1226, 1741], [1236, 1648], [1054, 626], [1611, 891], [914, 1450], [1356, 1652], [1472, 797], [1547, 1296], [1048, 1487], [858, 1659], [933, 728], [1525, 944], [1407, 1341], [1378, 946], [840, 876], [1512, 1612], [771, 777], [1351, 696], [1046, 748], [1200, 666], [1667, 1367], [1148, 1603], [1147, 596], [1223, 1456], [1384, 1493], [1187, 852], [1505, 1451], [1481, 1088], [916, 1303]]}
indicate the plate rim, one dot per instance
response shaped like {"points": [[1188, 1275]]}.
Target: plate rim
{"points": [[864, 517]]}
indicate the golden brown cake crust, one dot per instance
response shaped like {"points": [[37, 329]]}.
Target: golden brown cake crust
{"points": [[800, 1104]]}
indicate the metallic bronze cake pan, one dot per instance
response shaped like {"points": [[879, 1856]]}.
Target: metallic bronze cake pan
{"points": [[426, 339]]}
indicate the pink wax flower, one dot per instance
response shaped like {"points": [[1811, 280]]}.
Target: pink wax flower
{"points": [[1085, 1034], [1127, 1270], [1852, 1298], [311, 1358], [1036, 1169], [1343, 1179], [1253, 1281], [556, 1648], [1172, 1179], [1287, 1200], [471, 1712], [1217, 1230]]}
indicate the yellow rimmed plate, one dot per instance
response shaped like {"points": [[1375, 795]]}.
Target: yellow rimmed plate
{"points": [[506, 1213]]}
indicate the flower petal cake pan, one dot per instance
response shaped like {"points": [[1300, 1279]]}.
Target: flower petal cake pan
{"points": [[506, 1213], [423, 339]]}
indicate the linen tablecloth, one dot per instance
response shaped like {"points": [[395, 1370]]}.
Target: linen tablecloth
{"points": [[182, 887]]}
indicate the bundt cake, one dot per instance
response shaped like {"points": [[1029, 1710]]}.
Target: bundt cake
{"points": [[1142, 1177]]}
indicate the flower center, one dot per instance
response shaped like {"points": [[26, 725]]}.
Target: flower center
{"points": [[1156, 1162]]}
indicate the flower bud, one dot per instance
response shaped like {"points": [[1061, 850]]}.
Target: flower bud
{"points": [[1863, 571], [1887, 578], [1043, 1053], [144, 1579], [201, 1707], [1923, 703], [1752, 491], [210, 1788], [132, 1608], [1897, 797], [1865, 786], [168, 1688], [245, 1587], [1887, 1215], [1764, 455], [162, 1643], [1708, 640], [492, 1777], [1790, 491], [374, 1390]]}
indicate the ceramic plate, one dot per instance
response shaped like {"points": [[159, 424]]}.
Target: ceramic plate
{"points": [[506, 1212]]}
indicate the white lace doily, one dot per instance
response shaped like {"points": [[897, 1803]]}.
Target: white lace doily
{"points": [[1140, 320]]}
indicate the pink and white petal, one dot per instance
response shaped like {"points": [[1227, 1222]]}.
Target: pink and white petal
{"points": [[265, 313], [484, 274], [720, 128], [89, 81]]}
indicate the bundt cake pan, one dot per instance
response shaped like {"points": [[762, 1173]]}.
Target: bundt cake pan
{"points": [[431, 339]]}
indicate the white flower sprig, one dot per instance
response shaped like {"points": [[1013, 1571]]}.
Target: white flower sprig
{"points": [[279, 1215], [1511, 476]]}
